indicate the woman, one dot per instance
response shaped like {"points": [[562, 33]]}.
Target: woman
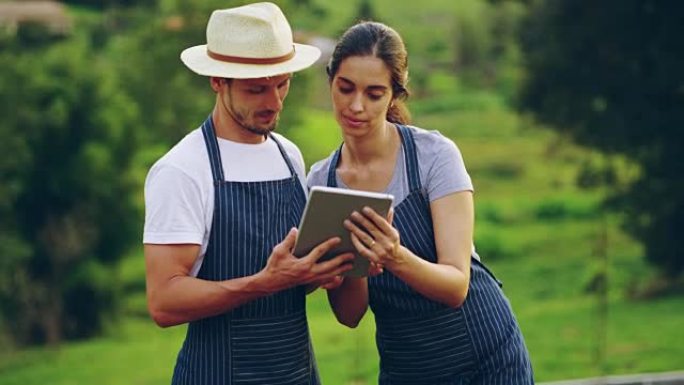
{"points": [[441, 316]]}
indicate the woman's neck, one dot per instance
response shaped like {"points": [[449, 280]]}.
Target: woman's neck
{"points": [[379, 144], [368, 162]]}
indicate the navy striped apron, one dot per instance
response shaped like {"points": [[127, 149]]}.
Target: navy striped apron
{"points": [[265, 341], [421, 341]]}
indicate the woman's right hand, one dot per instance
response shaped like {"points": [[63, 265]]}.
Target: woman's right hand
{"points": [[375, 238]]}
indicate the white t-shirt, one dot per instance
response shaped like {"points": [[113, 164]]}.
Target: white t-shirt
{"points": [[179, 189]]}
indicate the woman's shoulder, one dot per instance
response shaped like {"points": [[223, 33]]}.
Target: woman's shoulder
{"points": [[442, 168], [318, 172], [432, 142]]}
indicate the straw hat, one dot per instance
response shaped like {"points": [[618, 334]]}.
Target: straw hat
{"points": [[252, 41]]}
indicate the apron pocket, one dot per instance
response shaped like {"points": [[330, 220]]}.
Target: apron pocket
{"points": [[271, 350], [424, 349]]}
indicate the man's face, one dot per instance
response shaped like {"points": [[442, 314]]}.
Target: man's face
{"points": [[255, 104]]}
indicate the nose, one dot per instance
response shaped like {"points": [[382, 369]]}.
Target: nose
{"points": [[274, 100], [356, 104]]}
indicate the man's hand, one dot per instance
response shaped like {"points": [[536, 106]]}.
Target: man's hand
{"points": [[284, 270]]}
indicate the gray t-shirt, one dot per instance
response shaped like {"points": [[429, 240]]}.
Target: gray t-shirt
{"points": [[442, 171]]}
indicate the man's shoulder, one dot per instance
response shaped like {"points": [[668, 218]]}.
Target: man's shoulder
{"points": [[188, 154], [292, 151], [285, 142]]}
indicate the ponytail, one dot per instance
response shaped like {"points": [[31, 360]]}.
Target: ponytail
{"points": [[398, 113]]}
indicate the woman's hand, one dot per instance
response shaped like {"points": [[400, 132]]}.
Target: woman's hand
{"points": [[374, 238], [331, 283], [336, 281], [374, 268]]}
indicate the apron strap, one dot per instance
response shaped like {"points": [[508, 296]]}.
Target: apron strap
{"points": [[410, 157], [285, 156], [334, 161], [213, 150]]}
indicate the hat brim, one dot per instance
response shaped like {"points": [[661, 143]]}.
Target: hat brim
{"points": [[197, 60]]}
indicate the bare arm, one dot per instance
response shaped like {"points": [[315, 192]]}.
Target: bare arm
{"points": [[174, 297], [349, 301], [445, 281]]}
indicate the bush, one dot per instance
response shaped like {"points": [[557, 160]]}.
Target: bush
{"points": [[554, 209]]}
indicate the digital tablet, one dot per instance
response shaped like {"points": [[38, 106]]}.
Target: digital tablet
{"points": [[324, 214]]}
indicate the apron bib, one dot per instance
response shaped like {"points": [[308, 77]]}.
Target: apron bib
{"points": [[421, 341], [265, 341]]}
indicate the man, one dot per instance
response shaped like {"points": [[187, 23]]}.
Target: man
{"points": [[220, 211]]}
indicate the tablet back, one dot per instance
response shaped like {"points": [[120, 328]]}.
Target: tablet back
{"points": [[324, 214]]}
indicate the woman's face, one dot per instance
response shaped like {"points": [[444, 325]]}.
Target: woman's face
{"points": [[361, 94]]}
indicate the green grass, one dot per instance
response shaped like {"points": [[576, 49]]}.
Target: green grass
{"points": [[135, 352]]}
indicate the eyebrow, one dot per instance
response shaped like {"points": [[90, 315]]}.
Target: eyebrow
{"points": [[375, 87]]}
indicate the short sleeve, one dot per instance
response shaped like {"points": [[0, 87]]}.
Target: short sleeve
{"points": [[318, 174], [446, 172], [174, 207]]}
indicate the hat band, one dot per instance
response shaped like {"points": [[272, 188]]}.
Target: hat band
{"points": [[251, 60]]}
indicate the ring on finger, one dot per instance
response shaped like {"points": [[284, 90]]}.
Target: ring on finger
{"points": [[372, 243]]}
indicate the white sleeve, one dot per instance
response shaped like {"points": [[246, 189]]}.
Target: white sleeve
{"points": [[174, 207]]}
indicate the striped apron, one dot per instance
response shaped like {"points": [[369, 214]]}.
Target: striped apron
{"points": [[421, 341], [265, 341]]}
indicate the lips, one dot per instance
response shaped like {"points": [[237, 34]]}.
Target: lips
{"points": [[351, 122], [266, 115]]}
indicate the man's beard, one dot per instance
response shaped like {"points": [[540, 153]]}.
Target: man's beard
{"points": [[254, 129], [242, 121]]}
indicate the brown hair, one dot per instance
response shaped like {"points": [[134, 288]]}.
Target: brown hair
{"points": [[371, 38]]}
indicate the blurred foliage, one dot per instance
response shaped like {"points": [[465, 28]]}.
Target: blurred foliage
{"points": [[67, 208], [105, 4], [610, 76], [486, 50], [366, 11]]}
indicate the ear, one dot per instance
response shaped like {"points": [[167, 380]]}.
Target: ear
{"points": [[216, 83]]}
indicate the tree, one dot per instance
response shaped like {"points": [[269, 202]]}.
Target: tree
{"points": [[609, 74], [67, 211]]}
